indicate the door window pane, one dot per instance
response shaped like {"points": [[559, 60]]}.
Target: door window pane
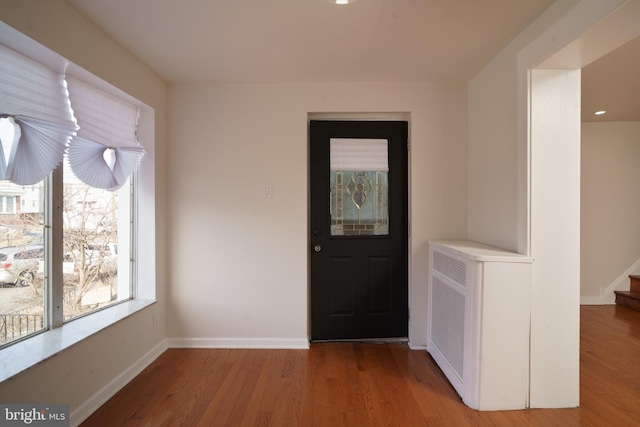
{"points": [[359, 204]]}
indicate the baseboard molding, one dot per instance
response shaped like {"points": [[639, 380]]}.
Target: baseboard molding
{"points": [[607, 295], [591, 300], [270, 343], [108, 391]]}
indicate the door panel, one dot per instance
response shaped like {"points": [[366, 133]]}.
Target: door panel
{"points": [[380, 285], [358, 182], [341, 287]]}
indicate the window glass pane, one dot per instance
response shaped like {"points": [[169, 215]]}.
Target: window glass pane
{"points": [[96, 246], [359, 187], [21, 256]]}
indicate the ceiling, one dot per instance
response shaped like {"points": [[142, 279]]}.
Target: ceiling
{"points": [[314, 41], [612, 83]]}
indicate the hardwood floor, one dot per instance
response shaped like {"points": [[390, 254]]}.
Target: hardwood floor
{"points": [[349, 384]]}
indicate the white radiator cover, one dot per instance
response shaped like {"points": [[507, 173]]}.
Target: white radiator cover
{"points": [[479, 320]]}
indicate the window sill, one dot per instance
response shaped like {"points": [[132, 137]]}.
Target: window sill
{"points": [[24, 354]]}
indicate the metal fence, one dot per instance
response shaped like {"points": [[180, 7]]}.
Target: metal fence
{"points": [[15, 326]]}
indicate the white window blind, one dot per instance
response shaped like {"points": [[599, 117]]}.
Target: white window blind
{"points": [[35, 97], [105, 151], [359, 154]]}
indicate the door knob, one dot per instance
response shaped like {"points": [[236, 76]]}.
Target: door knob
{"points": [[317, 248]]}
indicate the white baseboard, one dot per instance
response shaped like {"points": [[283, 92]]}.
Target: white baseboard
{"points": [[417, 347], [607, 296], [270, 343], [108, 391], [591, 300]]}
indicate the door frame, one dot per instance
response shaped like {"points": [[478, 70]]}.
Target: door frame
{"points": [[360, 116]]}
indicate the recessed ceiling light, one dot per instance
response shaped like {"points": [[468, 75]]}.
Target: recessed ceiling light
{"points": [[599, 113], [341, 1]]}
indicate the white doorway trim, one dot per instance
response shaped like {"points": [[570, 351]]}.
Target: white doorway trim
{"points": [[549, 183], [388, 116]]}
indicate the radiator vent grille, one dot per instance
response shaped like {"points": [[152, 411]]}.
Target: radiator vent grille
{"points": [[447, 329], [454, 269]]}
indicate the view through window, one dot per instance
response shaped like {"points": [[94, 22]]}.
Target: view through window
{"points": [[22, 296], [96, 266]]}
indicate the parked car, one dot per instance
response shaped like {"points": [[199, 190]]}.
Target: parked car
{"points": [[19, 265], [101, 260]]}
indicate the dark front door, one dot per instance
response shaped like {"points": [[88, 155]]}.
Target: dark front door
{"points": [[358, 173]]}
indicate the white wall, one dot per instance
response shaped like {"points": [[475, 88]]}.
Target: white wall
{"points": [[239, 262], [493, 155], [610, 207], [93, 366], [498, 137]]}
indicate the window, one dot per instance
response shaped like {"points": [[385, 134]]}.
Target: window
{"points": [[359, 187], [10, 205], [59, 264], [94, 223], [22, 297]]}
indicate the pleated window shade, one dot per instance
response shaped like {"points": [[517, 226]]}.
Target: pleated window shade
{"points": [[350, 154], [35, 96], [105, 151], [54, 116]]}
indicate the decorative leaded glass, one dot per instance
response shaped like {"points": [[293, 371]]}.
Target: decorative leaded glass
{"points": [[359, 187]]}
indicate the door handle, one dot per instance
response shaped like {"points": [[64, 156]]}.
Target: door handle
{"points": [[317, 248]]}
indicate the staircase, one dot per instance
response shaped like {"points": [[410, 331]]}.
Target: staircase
{"points": [[630, 298]]}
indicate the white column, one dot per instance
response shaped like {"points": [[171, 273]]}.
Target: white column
{"points": [[555, 243]]}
